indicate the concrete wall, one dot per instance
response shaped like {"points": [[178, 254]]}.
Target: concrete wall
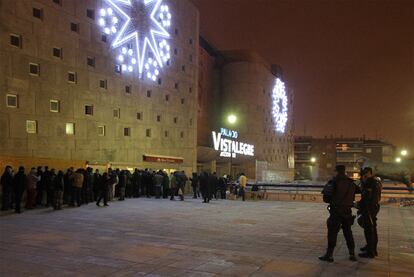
{"points": [[34, 92]]}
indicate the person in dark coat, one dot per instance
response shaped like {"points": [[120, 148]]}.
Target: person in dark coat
{"points": [[205, 187], [222, 184], [122, 185], [369, 206], [58, 189], [165, 185], [32, 179], [195, 185], [105, 184], [19, 186], [40, 187], [340, 213], [136, 183], [96, 180], [6, 188]]}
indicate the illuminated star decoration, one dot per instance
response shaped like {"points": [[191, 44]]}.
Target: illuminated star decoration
{"points": [[280, 106], [139, 34]]}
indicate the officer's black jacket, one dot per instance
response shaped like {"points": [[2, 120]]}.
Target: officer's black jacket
{"points": [[344, 192], [371, 194]]}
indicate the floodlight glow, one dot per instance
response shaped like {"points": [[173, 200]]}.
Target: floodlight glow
{"points": [[139, 29], [313, 160], [404, 152], [280, 106], [398, 159], [232, 119]]}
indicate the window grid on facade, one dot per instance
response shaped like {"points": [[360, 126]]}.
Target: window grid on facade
{"points": [[58, 2], [175, 120], [54, 106], [104, 38], [57, 52], [90, 13], [176, 85], [72, 77], [16, 40], [128, 89], [34, 69], [12, 101], [148, 133], [90, 61], [166, 134], [31, 126], [70, 128], [118, 68], [88, 109], [183, 68], [148, 93], [74, 27], [159, 81], [38, 13], [117, 113], [101, 131], [158, 118], [103, 84], [181, 134], [139, 116], [127, 132], [167, 97], [182, 101]]}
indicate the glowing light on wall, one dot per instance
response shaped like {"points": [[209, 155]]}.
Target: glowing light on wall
{"points": [[280, 106], [138, 29]]}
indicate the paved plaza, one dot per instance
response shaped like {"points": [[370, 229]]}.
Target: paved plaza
{"points": [[149, 237]]}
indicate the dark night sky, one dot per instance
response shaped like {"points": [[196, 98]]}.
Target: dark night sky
{"points": [[350, 63]]}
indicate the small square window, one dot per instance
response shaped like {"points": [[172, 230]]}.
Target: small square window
{"points": [[118, 69], [158, 118], [190, 41], [182, 100], [74, 27], [90, 61], [88, 109], [128, 89], [54, 106], [117, 113], [176, 31], [175, 51], [57, 52], [190, 89], [191, 58], [58, 2], [139, 116], [72, 77], [101, 131], [176, 85], [70, 128], [148, 93], [12, 101], [90, 13], [103, 84], [175, 120], [16, 40], [182, 134], [191, 122], [159, 81], [183, 68], [167, 97], [38, 13], [166, 134], [104, 38], [127, 132], [148, 133], [34, 69], [31, 126]]}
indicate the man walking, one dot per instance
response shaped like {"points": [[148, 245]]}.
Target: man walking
{"points": [[341, 190], [369, 208], [243, 184]]}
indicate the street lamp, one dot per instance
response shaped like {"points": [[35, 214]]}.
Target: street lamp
{"points": [[313, 160], [398, 160], [404, 152], [232, 119]]}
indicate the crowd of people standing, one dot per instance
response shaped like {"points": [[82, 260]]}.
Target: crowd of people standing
{"points": [[46, 187]]}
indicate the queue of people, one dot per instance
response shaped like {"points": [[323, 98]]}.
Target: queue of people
{"points": [[46, 187]]}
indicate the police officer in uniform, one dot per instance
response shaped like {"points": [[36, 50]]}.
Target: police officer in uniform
{"points": [[369, 208], [342, 197]]}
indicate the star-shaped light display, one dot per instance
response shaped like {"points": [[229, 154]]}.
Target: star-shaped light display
{"points": [[139, 32], [280, 106]]}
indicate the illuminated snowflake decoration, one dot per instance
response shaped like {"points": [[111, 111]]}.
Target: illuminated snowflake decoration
{"points": [[138, 29], [280, 106]]}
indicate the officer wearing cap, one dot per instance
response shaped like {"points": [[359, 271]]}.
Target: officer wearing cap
{"points": [[369, 208], [340, 213]]}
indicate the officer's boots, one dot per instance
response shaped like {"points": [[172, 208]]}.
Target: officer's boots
{"points": [[328, 256]]}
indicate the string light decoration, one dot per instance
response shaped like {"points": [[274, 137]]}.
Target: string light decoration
{"points": [[280, 106], [138, 29]]}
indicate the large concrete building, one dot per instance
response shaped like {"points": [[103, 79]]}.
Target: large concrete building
{"points": [[243, 84], [67, 97]]}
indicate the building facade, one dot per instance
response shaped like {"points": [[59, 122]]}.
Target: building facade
{"points": [[69, 98], [244, 85], [316, 158]]}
